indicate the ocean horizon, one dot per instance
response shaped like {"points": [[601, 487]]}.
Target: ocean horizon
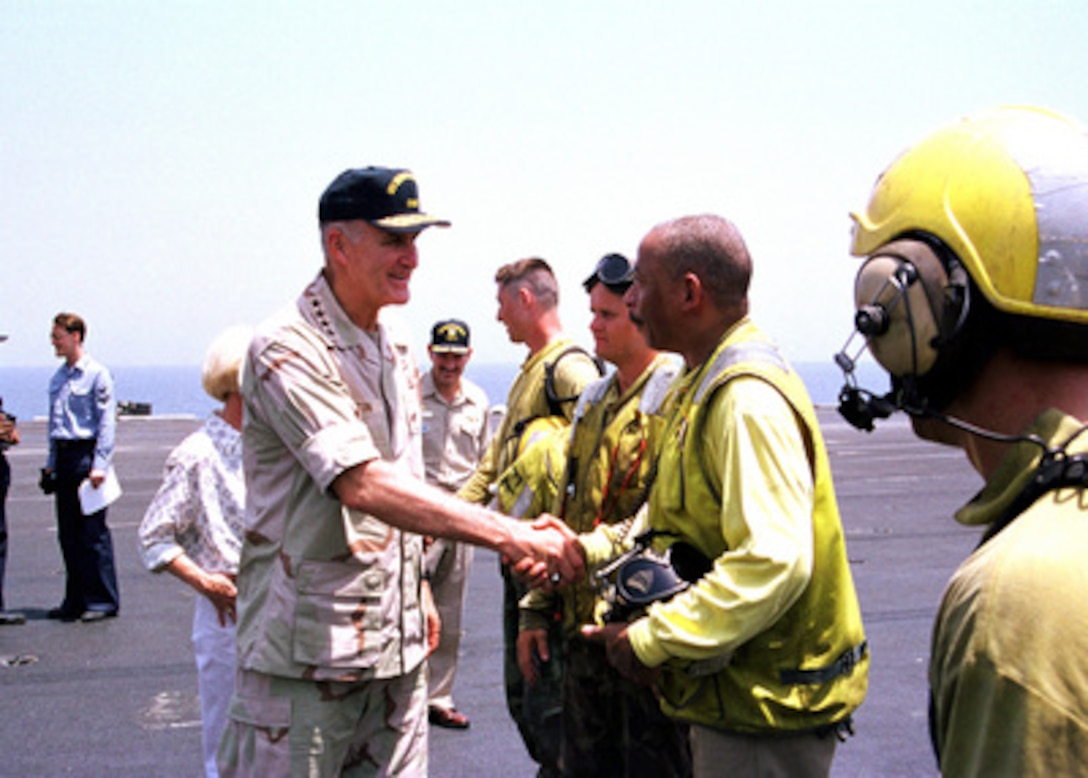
{"points": [[175, 389]]}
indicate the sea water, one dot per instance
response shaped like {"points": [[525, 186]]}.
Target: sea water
{"points": [[176, 390], [171, 390]]}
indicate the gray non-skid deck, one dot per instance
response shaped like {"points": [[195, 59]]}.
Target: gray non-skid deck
{"points": [[119, 698]]}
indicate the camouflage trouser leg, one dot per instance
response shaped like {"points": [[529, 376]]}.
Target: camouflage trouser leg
{"points": [[537, 710], [612, 727], [287, 727]]}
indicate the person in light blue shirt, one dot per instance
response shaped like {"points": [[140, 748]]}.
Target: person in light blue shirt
{"points": [[82, 430]]}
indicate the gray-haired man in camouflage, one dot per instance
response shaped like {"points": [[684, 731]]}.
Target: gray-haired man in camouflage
{"points": [[333, 619]]}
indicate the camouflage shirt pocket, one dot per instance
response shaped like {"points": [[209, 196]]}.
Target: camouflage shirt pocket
{"points": [[338, 618]]}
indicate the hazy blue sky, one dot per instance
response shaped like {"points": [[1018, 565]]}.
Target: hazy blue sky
{"points": [[160, 162]]}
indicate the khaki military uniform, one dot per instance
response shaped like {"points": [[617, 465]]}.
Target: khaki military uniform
{"points": [[330, 630], [454, 438]]}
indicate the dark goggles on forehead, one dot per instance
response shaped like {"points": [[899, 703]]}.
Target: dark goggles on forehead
{"points": [[614, 271]]}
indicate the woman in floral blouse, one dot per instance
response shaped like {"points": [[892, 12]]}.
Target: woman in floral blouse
{"points": [[193, 529]]}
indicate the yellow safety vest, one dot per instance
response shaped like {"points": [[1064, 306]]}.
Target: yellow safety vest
{"points": [[808, 670]]}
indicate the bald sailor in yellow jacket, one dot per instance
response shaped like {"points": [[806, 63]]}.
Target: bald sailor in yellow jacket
{"points": [[765, 656]]}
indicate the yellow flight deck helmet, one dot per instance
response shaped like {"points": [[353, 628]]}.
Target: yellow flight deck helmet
{"points": [[1006, 191], [975, 239]]}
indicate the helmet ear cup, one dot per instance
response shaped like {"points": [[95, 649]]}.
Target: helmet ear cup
{"points": [[909, 303]]}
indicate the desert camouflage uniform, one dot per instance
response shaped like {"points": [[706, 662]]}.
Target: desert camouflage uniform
{"points": [[331, 634]]}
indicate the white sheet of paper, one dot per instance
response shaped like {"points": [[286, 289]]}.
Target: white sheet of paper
{"points": [[93, 500]]}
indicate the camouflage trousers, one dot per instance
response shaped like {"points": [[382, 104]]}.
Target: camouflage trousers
{"points": [[613, 728], [537, 709], [287, 727]]}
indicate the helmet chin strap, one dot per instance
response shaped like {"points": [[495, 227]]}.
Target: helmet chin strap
{"points": [[998, 437], [1056, 467]]}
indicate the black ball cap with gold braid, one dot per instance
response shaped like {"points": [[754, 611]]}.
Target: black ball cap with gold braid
{"points": [[388, 198], [450, 336]]}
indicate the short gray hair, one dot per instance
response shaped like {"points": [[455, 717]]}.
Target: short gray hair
{"points": [[712, 248]]}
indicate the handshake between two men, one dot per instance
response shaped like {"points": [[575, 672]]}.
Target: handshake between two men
{"points": [[552, 555], [542, 552]]}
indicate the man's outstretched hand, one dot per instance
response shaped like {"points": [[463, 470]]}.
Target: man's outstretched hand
{"points": [[552, 555]]}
